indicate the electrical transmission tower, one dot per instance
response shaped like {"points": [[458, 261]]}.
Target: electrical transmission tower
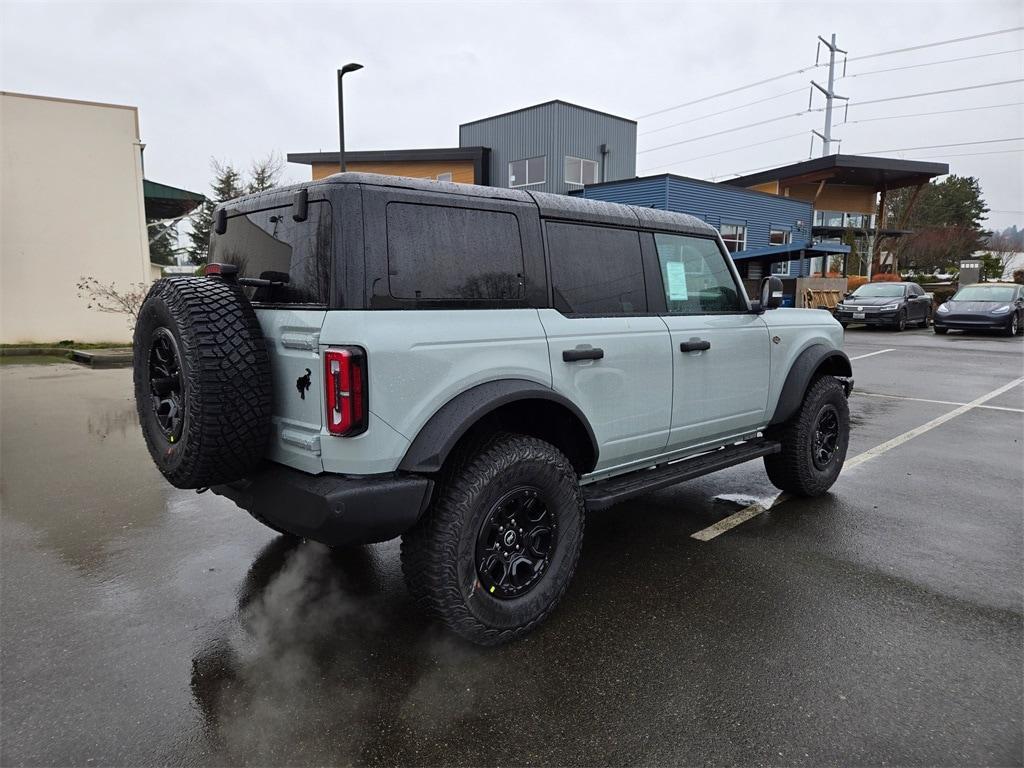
{"points": [[830, 94]]}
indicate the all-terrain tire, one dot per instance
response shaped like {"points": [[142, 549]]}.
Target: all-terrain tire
{"points": [[795, 469], [202, 381], [439, 555]]}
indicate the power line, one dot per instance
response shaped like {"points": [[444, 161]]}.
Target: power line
{"points": [[724, 111], [937, 43], [939, 112], [724, 151], [729, 130], [940, 146], [936, 93], [933, 63], [731, 91], [800, 71], [971, 154]]}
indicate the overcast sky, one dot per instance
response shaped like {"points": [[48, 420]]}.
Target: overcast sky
{"points": [[238, 80]]}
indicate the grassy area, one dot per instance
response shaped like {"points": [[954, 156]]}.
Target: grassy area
{"points": [[67, 345], [31, 359]]}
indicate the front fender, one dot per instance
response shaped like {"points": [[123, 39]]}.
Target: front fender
{"points": [[803, 371]]}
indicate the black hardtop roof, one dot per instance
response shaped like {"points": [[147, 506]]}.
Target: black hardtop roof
{"points": [[550, 205]]}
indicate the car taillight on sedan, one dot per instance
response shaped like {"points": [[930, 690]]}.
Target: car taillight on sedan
{"points": [[345, 390]]}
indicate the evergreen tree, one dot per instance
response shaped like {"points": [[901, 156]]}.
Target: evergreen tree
{"points": [[227, 185], [162, 242], [946, 220], [264, 174]]}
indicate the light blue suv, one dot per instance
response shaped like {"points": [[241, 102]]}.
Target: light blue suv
{"points": [[472, 368]]}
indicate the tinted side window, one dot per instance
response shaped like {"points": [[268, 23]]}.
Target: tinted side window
{"points": [[271, 244], [696, 277], [596, 270], [435, 252]]}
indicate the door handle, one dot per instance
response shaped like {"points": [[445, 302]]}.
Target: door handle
{"points": [[695, 345], [572, 355]]}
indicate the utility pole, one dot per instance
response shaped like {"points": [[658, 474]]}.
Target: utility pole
{"points": [[830, 94]]}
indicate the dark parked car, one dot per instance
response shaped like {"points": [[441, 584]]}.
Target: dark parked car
{"points": [[891, 304], [991, 306]]}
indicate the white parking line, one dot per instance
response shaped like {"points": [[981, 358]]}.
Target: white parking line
{"points": [[870, 354], [730, 522], [939, 402]]}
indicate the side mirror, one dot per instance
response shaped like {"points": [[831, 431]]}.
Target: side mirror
{"points": [[771, 293]]}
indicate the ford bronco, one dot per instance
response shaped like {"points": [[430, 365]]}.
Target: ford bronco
{"points": [[472, 369]]}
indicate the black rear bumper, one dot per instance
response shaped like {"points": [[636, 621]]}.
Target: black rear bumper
{"points": [[332, 509]]}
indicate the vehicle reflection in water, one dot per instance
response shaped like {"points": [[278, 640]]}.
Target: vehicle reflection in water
{"points": [[322, 662]]}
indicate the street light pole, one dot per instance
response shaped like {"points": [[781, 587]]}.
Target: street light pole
{"points": [[351, 67]]}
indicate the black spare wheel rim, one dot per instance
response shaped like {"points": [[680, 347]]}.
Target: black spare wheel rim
{"points": [[515, 544], [826, 437], [166, 386]]}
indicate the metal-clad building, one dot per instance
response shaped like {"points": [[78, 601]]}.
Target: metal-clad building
{"points": [[554, 147], [758, 228]]}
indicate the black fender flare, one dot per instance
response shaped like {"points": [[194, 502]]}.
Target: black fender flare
{"points": [[439, 435], [803, 371]]}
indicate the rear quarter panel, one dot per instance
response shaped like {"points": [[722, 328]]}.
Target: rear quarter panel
{"points": [[792, 331], [418, 360]]}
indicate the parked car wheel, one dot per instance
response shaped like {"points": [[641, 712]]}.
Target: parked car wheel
{"points": [[901, 320], [202, 381], [814, 442], [1013, 326], [940, 331], [498, 548]]}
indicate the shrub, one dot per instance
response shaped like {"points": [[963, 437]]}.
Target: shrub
{"points": [[941, 295], [1018, 275], [855, 282], [885, 277]]}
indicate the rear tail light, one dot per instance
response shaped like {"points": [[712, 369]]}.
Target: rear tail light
{"points": [[345, 390]]}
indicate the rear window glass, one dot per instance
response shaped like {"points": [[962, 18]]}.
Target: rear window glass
{"points": [[696, 276], [596, 270], [442, 253], [270, 244]]}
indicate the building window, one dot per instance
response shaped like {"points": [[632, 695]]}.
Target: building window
{"points": [[522, 173], [780, 268], [447, 176], [579, 171], [779, 237], [735, 237]]}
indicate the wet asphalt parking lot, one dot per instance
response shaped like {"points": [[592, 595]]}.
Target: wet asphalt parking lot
{"points": [[881, 624]]}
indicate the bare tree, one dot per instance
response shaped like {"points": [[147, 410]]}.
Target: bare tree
{"points": [[106, 297]]}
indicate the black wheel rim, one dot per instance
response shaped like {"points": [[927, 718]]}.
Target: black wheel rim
{"points": [[825, 441], [515, 543], [166, 388]]}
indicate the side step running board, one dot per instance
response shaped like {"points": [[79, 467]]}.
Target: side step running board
{"points": [[605, 493]]}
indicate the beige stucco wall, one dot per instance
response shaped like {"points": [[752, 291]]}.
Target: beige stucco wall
{"points": [[71, 205]]}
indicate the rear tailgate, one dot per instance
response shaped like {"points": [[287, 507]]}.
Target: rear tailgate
{"points": [[292, 340]]}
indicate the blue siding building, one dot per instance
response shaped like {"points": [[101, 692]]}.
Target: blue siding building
{"points": [[763, 232]]}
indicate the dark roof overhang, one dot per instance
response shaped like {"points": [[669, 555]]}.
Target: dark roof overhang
{"points": [[166, 202], [860, 170]]}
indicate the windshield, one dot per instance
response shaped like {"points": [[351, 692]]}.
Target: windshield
{"points": [[877, 290], [985, 293]]}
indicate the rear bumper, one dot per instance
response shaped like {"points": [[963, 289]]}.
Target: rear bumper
{"points": [[332, 509]]}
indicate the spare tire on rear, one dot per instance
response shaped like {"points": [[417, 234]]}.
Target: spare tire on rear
{"points": [[202, 381]]}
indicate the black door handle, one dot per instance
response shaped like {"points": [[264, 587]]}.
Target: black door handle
{"points": [[697, 345], [572, 355]]}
